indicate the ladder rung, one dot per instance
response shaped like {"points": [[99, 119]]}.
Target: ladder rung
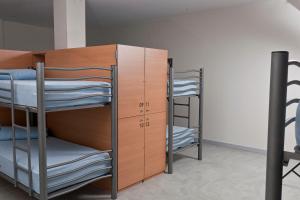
{"points": [[20, 127], [181, 104], [22, 148], [22, 169], [178, 116]]}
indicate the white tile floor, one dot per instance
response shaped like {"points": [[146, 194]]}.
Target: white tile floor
{"points": [[224, 174]]}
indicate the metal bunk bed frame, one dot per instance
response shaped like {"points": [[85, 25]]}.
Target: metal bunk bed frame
{"points": [[41, 111], [196, 74], [276, 156]]}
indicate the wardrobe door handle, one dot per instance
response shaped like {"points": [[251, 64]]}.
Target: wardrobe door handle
{"points": [[147, 124], [147, 106], [142, 125]]}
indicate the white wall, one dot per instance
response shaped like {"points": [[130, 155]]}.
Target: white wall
{"points": [[234, 45], [99, 37], [19, 36]]}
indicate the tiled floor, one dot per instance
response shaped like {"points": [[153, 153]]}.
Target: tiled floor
{"points": [[224, 174]]}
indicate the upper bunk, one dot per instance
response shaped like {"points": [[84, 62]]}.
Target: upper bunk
{"points": [[76, 81], [186, 83], [55, 87]]}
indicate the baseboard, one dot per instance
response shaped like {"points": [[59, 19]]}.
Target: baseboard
{"points": [[235, 146]]}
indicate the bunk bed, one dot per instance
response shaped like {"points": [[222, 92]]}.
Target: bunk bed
{"points": [[188, 86], [277, 157], [44, 166]]}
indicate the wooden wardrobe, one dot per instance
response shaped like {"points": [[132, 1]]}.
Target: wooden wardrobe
{"points": [[142, 90], [142, 113]]}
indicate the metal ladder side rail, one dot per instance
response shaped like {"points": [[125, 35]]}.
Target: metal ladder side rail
{"points": [[200, 114], [15, 147], [26, 149]]}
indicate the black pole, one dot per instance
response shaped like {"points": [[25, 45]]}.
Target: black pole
{"points": [[277, 108], [170, 117]]}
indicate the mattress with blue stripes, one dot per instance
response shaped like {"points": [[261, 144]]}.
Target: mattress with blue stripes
{"points": [[25, 93], [58, 151]]}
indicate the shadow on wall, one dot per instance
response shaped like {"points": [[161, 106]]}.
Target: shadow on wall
{"points": [[295, 3]]}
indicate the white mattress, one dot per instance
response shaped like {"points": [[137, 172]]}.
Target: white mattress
{"points": [[185, 87], [58, 151], [26, 93], [182, 137]]}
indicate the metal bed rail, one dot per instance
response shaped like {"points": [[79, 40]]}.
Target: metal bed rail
{"points": [[193, 74], [41, 111], [198, 76], [56, 193], [78, 88], [80, 168], [276, 156]]}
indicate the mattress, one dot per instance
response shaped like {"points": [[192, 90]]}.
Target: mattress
{"points": [[26, 93], [182, 137], [58, 151], [185, 87]]}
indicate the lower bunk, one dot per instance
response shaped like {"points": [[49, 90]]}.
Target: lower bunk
{"points": [[69, 165], [183, 137]]}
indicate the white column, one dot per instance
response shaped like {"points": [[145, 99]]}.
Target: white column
{"points": [[69, 24]]}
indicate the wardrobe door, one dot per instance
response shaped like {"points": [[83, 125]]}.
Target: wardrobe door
{"points": [[130, 151], [131, 80], [155, 143], [155, 80]]}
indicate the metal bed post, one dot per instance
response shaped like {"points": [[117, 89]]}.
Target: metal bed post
{"points": [[12, 88], [200, 117], [277, 113], [189, 112], [42, 131], [28, 124], [114, 128], [170, 117]]}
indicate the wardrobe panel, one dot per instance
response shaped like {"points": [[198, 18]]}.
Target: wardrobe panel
{"points": [[155, 80], [15, 59], [155, 143], [88, 127], [98, 56], [131, 81], [130, 151]]}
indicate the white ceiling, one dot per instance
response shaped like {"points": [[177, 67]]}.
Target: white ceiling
{"points": [[109, 12]]}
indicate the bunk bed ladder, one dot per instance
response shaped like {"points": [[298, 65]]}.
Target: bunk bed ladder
{"points": [[26, 149], [16, 147]]}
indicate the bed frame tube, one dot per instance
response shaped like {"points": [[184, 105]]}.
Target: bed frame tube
{"points": [[170, 116], [200, 122], [277, 114], [41, 114], [114, 129]]}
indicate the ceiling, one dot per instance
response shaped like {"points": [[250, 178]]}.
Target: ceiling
{"points": [[108, 12]]}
